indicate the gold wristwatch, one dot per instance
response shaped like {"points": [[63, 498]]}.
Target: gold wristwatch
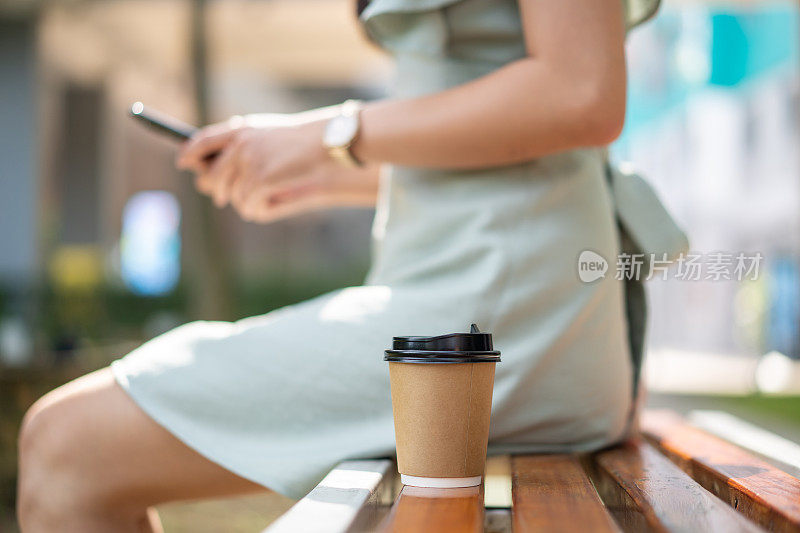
{"points": [[341, 132]]}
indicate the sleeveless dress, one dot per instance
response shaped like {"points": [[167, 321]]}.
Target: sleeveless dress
{"points": [[281, 398]]}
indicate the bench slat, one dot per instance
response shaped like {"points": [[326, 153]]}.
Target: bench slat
{"points": [[767, 495], [780, 452], [645, 491], [553, 493], [421, 510], [348, 499]]}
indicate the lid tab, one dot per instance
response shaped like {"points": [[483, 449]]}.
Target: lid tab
{"points": [[474, 346]]}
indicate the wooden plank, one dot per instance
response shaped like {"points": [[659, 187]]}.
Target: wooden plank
{"points": [[553, 493], [348, 499], [774, 449], [760, 491], [646, 492], [420, 510]]}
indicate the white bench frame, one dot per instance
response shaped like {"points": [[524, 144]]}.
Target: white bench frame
{"points": [[350, 498]]}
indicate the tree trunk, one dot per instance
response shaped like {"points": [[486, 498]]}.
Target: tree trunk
{"points": [[206, 259]]}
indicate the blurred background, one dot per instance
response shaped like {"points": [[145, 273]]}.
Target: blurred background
{"points": [[103, 244]]}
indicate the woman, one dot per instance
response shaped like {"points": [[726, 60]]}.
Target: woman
{"points": [[495, 183]]}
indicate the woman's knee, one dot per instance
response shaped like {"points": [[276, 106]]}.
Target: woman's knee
{"points": [[43, 456], [56, 470]]}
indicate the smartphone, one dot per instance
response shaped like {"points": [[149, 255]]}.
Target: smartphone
{"points": [[162, 122]]}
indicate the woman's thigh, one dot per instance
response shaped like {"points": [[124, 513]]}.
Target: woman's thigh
{"points": [[96, 441]]}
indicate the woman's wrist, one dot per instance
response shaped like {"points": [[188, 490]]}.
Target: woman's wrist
{"points": [[272, 120], [382, 126]]}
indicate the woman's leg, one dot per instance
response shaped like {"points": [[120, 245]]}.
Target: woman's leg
{"points": [[92, 460]]}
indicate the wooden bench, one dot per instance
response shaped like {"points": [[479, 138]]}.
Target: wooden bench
{"points": [[675, 478]]}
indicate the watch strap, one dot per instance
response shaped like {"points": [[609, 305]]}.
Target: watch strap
{"points": [[343, 155]]}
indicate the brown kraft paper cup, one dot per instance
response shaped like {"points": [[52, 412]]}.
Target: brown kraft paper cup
{"points": [[441, 419]]}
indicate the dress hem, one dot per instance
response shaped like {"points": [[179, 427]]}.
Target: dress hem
{"points": [[121, 377]]}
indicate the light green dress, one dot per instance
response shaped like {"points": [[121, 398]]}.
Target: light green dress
{"points": [[280, 398]]}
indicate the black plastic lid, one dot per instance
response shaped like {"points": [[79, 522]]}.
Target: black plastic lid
{"points": [[472, 347]]}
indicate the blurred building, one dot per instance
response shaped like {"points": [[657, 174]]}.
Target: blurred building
{"points": [[714, 123], [276, 56], [18, 171], [73, 159]]}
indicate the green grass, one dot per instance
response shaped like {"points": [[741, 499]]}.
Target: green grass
{"points": [[786, 408], [779, 414]]}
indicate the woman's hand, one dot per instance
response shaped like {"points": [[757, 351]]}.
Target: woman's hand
{"points": [[272, 167]]}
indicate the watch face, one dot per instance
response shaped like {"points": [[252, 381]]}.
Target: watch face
{"points": [[340, 131]]}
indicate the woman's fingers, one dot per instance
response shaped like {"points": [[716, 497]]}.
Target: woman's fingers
{"points": [[276, 210], [295, 190], [255, 175], [203, 184], [223, 172], [269, 203], [204, 143], [242, 190]]}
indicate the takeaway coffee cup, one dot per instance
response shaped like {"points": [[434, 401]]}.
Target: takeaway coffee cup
{"points": [[442, 401]]}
